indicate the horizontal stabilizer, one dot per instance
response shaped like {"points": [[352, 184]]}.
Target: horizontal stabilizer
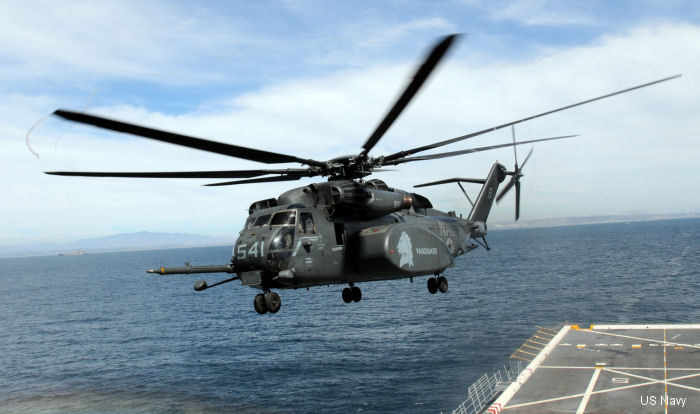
{"points": [[453, 180]]}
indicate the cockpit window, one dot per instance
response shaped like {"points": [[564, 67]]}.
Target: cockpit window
{"points": [[249, 223], [284, 218], [262, 221], [306, 224], [283, 239]]}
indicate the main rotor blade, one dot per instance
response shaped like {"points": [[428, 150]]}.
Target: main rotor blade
{"points": [[183, 174], [468, 151], [290, 177], [515, 152], [405, 153], [237, 151], [419, 78]]}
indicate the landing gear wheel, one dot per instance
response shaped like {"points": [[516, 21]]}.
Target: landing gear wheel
{"points": [[273, 302], [432, 285], [356, 294], [259, 304], [347, 295], [442, 284]]}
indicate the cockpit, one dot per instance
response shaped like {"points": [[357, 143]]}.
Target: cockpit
{"points": [[282, 226], [268, 240]]}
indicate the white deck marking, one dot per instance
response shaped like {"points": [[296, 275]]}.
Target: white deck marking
{"points": [[643, 384], [567, 397], [631, 342], [640, 339], [665, 377], [658, 326], [620, 368], [514, 387], [664, 381], [587, 394]]}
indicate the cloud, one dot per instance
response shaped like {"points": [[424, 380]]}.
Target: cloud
{"points": [[636, 153], [542, 12]]}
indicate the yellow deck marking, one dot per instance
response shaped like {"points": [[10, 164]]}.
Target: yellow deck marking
{"points": [[697, 346]]}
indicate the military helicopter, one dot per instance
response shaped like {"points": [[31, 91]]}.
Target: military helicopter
{"points": [[345, 230]]}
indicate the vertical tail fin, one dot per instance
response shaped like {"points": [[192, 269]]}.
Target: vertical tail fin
{"points": [[487, 195], [475, 224]]}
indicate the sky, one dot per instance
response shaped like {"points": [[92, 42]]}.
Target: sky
{"points": [[314, 78]]}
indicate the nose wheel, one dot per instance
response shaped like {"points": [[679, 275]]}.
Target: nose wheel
{"points": [[267, 302], [437, 283], [352, 294]]}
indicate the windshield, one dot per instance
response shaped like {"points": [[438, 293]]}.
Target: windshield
{"points": [[262, 221], [284, 218], [283, 239]]}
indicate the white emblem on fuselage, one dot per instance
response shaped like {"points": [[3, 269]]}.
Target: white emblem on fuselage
{"points": [[405, 249]]}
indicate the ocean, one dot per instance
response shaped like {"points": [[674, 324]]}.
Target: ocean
{"points": [[96, 334]]}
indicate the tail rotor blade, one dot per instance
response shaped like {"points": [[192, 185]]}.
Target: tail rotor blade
{"points": [[505, 189], [517, 200], [526, 158]]}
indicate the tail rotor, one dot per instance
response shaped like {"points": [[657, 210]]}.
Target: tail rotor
{"points": [[515, 177]]}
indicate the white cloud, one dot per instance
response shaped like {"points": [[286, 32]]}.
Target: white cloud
{"points": [[542, 12], [637, 152]]}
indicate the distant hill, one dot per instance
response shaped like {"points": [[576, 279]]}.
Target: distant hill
{"points": [[143, 240], [574, 221]]}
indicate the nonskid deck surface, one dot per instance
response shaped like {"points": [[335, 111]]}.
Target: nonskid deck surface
{"points": [[611, 369]]}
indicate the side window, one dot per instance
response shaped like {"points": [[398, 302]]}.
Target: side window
{"points": [[306, 224], [339, 233], [284, 218], [262, 221]]}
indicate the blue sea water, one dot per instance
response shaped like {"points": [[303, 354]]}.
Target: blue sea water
{"points": [[96, 334]]}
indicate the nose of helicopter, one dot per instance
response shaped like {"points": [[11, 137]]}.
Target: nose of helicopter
{"points": [[267, 250]]}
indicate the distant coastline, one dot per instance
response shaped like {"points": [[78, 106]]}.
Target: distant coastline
{"points": [[157, 241], [115, 243], [579, 221]]}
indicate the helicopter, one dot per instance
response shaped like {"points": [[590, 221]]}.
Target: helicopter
{"points": [[346, 230]]}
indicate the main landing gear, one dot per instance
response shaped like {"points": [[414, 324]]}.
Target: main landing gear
{"points": [[352, 294], [439, 283], [267, 302]]}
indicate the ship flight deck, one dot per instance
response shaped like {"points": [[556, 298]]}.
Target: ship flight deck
{"points": [[610, 369]]}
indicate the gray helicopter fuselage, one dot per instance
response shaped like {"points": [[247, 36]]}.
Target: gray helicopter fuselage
{"points": [[343, 232]]}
